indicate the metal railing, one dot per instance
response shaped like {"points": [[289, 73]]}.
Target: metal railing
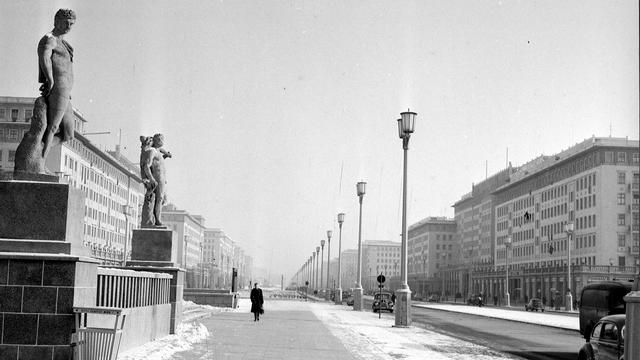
{"points": [[128, 288]]}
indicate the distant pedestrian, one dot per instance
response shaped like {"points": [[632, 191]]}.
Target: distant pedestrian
{"points": [[256, 302]]}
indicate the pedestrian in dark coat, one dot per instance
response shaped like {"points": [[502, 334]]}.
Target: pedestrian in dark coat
{"points": [[256, 302]]}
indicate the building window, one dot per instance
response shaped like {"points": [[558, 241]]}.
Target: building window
{"points": [[621, 219], [27, 115], [1, 134], [14, 115], [621, 199], [608, 157], [3, 113], [622, 157], [621, 177], [12, 155], [621, 261], [621, 240], [635, 157], [13, 134]]}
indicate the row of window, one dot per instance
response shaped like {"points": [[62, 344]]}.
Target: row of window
{"points": [[586, 182], [14, 114], [554, 193], [611, 158]]}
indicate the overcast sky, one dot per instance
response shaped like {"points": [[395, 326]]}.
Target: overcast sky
{"points": [[274, 110]]}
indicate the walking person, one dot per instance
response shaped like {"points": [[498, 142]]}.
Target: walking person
{"points": [[256, 302]]}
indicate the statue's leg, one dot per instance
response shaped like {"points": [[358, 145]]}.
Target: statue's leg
{"points": [[157, 207], [57, 107], [67, 126], [148, 219]]}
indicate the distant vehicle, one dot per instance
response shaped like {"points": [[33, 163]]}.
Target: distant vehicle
{"points": [[433, 298], [606, 340], [601, 299], [534, 304], [382, 301], [475, 299], [350, 300]]}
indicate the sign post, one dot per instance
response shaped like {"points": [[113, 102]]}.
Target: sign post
{"points": [[381, 280], [306, 290]]}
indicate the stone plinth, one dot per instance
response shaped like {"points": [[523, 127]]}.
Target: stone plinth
{"points": [[153, 247], [402, 307], [632, 337], [37, 296], [42, 214]]}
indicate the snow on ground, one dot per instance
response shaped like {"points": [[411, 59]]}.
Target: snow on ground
{"points": [[369, 338], [532, 317], [186, 335]]}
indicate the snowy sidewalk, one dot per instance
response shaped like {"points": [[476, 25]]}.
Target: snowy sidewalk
{"points": [[304, 330], [540, 318]]}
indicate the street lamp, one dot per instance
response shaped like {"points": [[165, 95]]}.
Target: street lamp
{"points": [[313, 271], [507, 246], [318, 285], [338, 297], [328, 293], [569, 299], [403, 313], [322, 266], [357, 292]]}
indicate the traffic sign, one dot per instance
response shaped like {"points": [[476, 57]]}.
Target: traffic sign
{"points": [[381, 278]]}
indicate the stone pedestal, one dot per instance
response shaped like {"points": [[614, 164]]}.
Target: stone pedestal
{"points": [[40, 217], [357, 299], [632, 337], [37, 296], [338, 298], [402, 307], [153, 247]]}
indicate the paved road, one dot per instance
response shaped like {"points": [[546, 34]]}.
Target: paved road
{"points": [[524, 340]]}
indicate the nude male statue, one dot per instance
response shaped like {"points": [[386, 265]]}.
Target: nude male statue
{"points": [[55, 59], [153, 171]]}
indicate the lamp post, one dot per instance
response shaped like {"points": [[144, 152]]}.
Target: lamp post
{"points": [[317, 261], [328, 292], [569, 299], [313, 271], [357, 292], [322, 267], [338, 297], [507, 246], [403, 313]]}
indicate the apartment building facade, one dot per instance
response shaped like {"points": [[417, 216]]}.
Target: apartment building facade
{"points": [[592, 185]]}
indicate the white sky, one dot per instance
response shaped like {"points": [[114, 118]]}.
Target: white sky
{"points": [[275, 109]]}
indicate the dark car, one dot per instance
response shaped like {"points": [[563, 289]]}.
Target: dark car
{"points": [[534, 304], [606, 339], [601, 299], [350, 300], [475, 299], [433, 298], [382, 301]]}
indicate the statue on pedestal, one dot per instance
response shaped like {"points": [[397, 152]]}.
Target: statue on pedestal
{"points": [[53, 121], [152, 171]]}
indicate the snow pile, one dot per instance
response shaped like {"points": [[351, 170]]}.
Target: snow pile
{"points": [[164, 348], [554, 320], [370, 338]]}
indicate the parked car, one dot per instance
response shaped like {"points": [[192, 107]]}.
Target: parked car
{"points": [[350, 300], [475, 299], [606, 339], [382, 301], [601, 299], [534, 304], [433, 298]]}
